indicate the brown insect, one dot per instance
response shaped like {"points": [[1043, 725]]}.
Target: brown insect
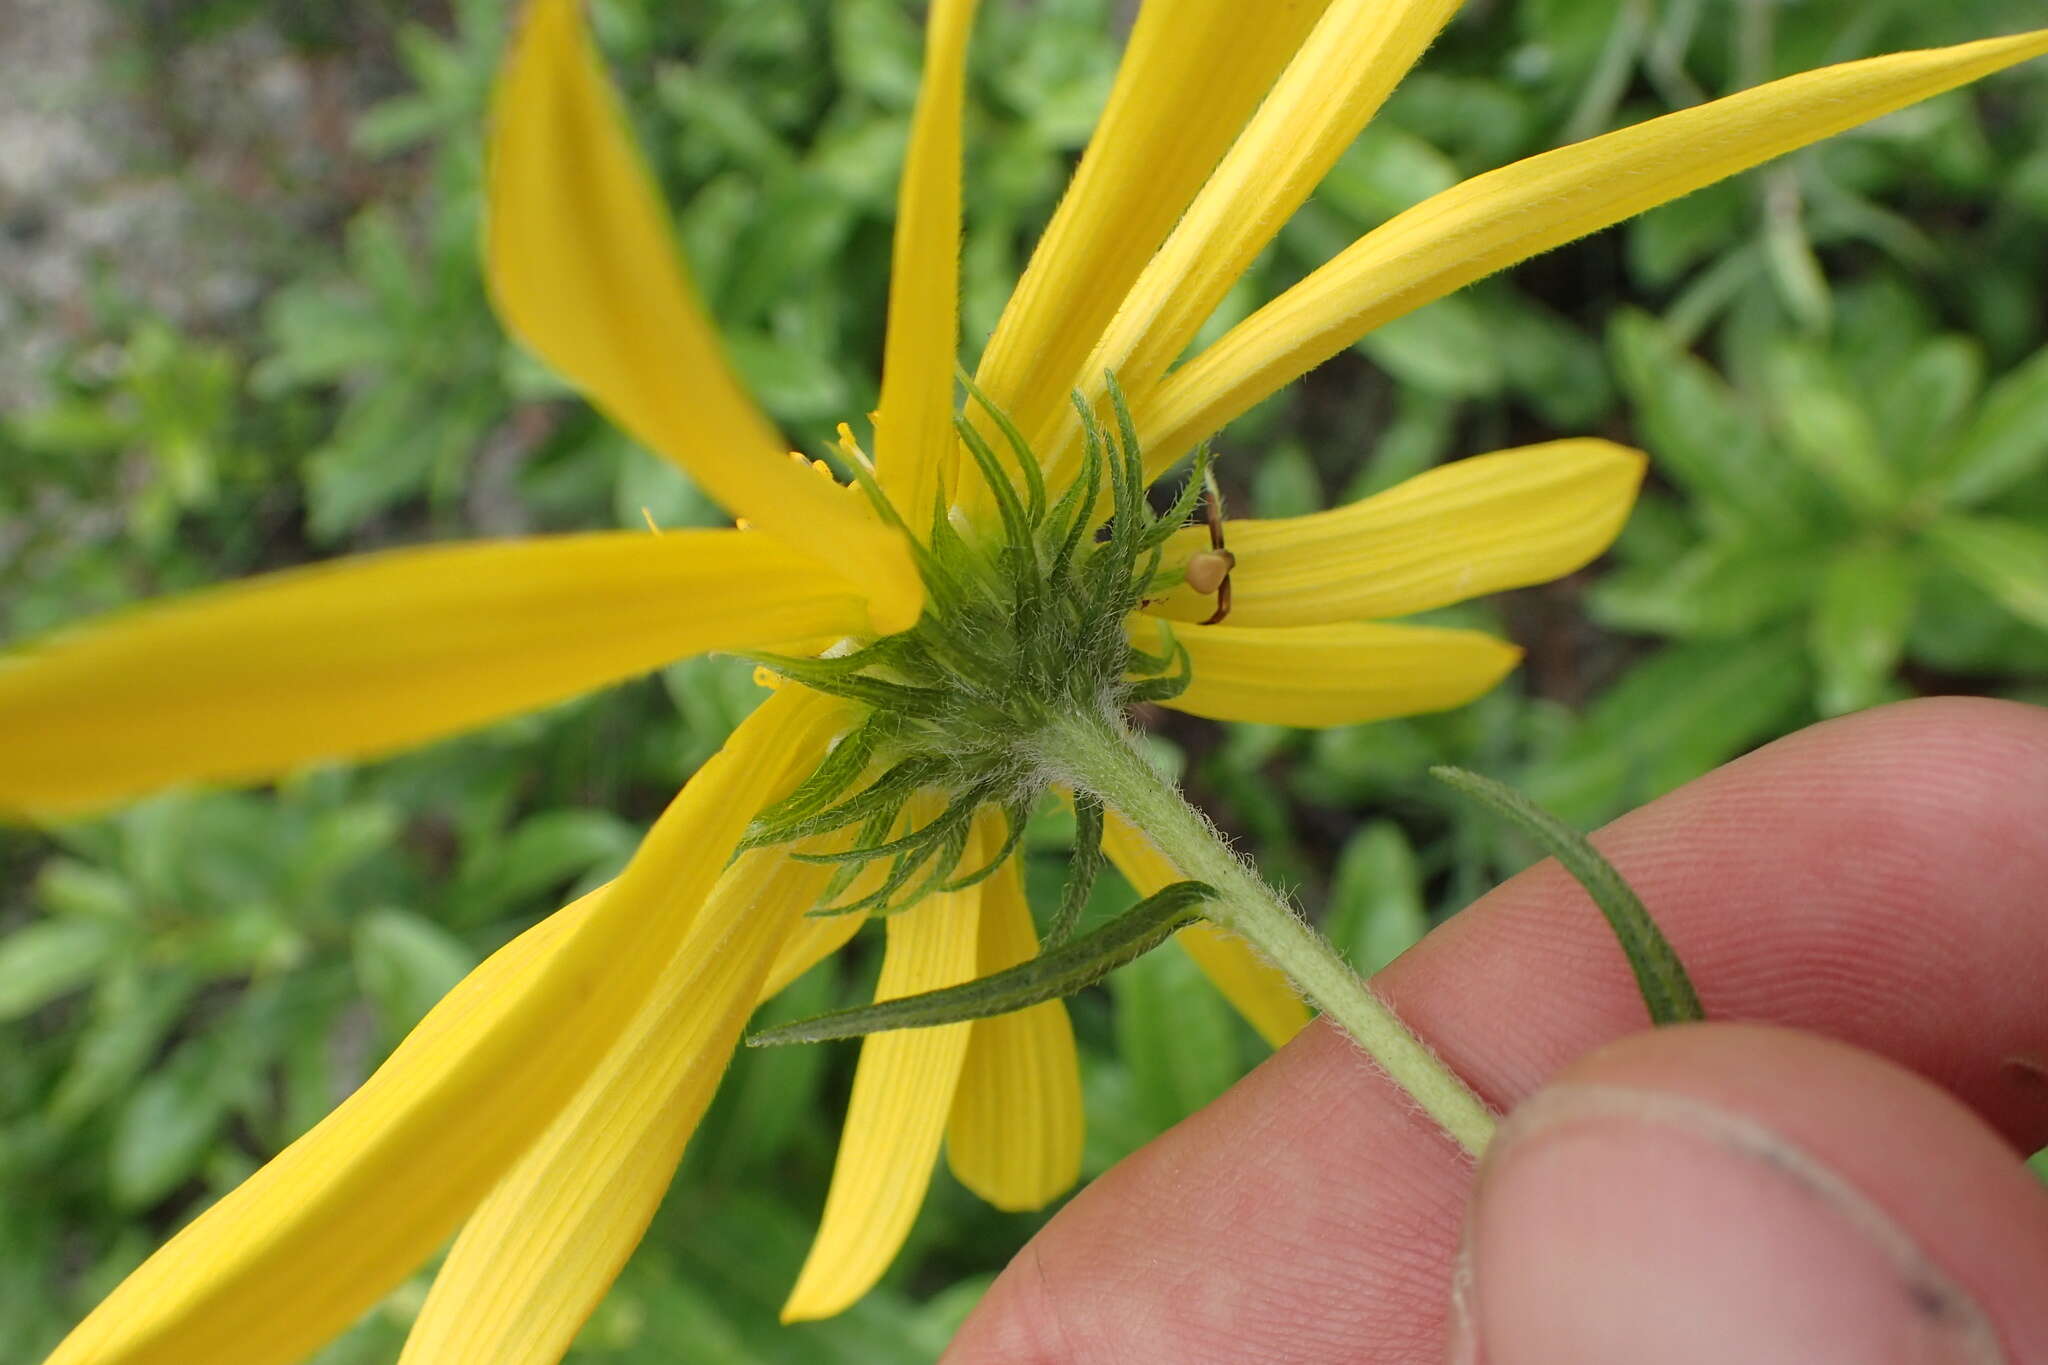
{"points": [[1209, 570]]}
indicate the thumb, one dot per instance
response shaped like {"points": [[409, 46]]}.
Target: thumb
{"points": [[1723, 1193]]}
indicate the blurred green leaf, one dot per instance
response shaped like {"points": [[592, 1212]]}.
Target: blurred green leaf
{"points": [[1704, 437], [132, 1013], [1175, 1034], [1671, 718], [2007, 559], [1860, 619], [66, 886], [163, 1130], [406, 964], [1917, 411], [795, 383], [1669, 240], [877, 51], [1285, 484], [2006, 442], [1376, 907], [1444, 348], [51, 958], [1830, 431], [1386, 170], [543, 852], [1721, 589]]}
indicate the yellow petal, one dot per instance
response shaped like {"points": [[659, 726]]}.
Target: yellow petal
{"points": [[301, 1248], [914, 429], [816, 937], [902, 1092], [369, 655], [1015, 1133], [1338, 79], [1508, 215], [1342, 674], [1191, 75], [582, 267], [1254, 987], [810, 941], [540, 1252], [1460, 530]]}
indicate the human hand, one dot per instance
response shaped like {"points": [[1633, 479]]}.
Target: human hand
{"points": [[1726, 1192]]}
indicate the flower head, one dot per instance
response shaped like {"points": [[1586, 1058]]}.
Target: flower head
{"points": [[992, 571]]}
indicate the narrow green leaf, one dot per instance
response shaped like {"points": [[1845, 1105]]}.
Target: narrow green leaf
{"points": [[2007, 440], [1923, 401], [1859, 624], [132, 1012], [1721, 588], [2008, 559], [404, 964], [1179, 1044], [1705, 437], [1677, 714], [50, 958], [1829, 431], [1660, 976], [166, 1124], [1051, 975], [1376, 908]]}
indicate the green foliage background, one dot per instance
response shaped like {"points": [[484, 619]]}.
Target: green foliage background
{"points": [[1837, 364]]}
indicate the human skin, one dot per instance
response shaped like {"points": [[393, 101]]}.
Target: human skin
{"points": [[1837, 1177]]}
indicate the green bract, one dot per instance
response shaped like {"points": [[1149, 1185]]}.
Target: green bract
{"points": [[1017, 631]]}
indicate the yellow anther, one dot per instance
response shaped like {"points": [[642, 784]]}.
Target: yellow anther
{"points": [[1208, 568], [742, 524], [766, 677]]}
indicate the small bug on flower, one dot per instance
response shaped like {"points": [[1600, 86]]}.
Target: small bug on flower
{"points": [[1209, 570]]}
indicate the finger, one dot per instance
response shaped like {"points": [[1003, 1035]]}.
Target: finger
{"points": [[1873, 878], [1724, 1192], [1876, 879]]}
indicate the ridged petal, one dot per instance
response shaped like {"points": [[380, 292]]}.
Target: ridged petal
{"points": [[902, 1092], [1015, 1133], [1254, 987], [364, 656], [301, 1248], [1342, 674], [1461, 530], [582, 266], [1343, 72], [810, 941], [540, 1252], [914, 438], [1492, 221], [1191, 75]]}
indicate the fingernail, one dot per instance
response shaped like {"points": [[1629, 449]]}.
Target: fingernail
{"points": [[1621, 1225], [1462, 1335]]}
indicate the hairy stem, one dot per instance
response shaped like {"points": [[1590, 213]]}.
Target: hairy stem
{"points": [[1097, 756]]}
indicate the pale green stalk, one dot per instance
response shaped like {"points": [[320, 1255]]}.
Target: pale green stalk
{"points": [[1096, 755]]}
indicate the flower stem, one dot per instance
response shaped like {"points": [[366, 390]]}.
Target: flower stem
{"points": [[1096, 755]]}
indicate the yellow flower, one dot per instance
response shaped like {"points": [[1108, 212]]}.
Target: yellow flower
{"points": [[542, 1106]]}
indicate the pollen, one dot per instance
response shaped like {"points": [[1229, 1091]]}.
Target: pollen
{"points": [[850, 448]]}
